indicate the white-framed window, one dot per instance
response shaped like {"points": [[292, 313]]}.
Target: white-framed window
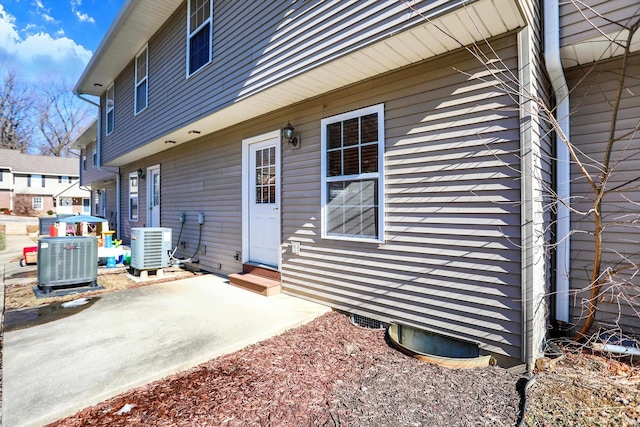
{"points": [[94, 155], [111, 108], [133, 196], [142, 72], [63, 180], [352, 165], [199, 31], [84, 159], [36, 203]]}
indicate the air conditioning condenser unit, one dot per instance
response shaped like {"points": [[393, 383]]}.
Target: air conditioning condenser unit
{"points": [[67, 262], [150, 247]]}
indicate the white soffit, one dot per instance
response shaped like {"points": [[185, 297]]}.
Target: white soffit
{"points": [[136, 22], [597, 49], [473, 22]]}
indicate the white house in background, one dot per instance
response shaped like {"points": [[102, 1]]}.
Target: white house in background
{"points": [[43, 183]]}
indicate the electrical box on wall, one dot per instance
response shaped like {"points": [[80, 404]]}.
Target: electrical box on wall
{"points": [[201, 218]]}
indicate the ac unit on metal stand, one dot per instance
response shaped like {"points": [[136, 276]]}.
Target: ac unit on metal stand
{"points": [[67, 262], [150, 247]]}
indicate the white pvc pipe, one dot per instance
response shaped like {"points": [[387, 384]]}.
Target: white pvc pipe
{"points": [[617, 349], [563, 174]]}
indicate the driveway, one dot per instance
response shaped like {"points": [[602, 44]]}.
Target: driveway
{"points": [[130, 338]]}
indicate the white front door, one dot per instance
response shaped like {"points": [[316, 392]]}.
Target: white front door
{"points": [[153, 196], [262, 194]]}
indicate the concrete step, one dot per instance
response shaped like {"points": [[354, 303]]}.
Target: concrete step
{"points": [[255, 283]]}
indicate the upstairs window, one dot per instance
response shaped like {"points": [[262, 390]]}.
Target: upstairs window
{"points": [[142, 71], [199, 14], [63, 180], [352, 175], [110, 110], [84, 160], [94, 155]]}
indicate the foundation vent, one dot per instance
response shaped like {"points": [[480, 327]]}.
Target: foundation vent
{"points": [[366, 322]]}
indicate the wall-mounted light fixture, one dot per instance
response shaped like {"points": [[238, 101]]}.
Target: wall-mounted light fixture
{"points": [[140, 174], [288, 132]]}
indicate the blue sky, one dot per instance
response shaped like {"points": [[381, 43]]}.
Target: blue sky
{"points": [[44, 38]]}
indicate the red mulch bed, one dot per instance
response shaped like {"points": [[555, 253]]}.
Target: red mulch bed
{"points": [[326, 373]]}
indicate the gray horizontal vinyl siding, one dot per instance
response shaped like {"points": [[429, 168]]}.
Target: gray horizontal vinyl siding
{"points": [[93, 174], [269, 42], [586, 19], [592, 96], [451, 259], [203, 176]]}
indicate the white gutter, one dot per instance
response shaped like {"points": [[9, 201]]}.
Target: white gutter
{"points": [[563, 174], [114, 170]]}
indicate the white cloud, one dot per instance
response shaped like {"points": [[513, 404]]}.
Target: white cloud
{"points": [[82, 17], [43, 11], [38, 56]]}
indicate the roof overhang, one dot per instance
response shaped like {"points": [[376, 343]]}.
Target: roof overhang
{"points": [[468, 23], [136, 22], [87, 136], [598, 48]]}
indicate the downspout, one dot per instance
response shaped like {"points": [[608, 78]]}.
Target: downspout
{"points": [[114, 170], [563, 173]]}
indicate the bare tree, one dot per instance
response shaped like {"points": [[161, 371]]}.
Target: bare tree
{"points": [[615, 277], [60, 117], [15, 109]]}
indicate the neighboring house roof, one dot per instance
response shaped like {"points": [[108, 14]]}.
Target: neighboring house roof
{"points": [[19, 162], [73, 190]]}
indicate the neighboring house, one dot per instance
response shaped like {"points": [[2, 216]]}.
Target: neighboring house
{"points": [[41, 183], [400, 196], [100, 181]]}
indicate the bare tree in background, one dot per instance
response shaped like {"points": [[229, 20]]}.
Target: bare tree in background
{"points": [[15, 110], [612, 174], [60, 118]]}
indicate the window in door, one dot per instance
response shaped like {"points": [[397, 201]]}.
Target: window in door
{"points": [[266, 175]]}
